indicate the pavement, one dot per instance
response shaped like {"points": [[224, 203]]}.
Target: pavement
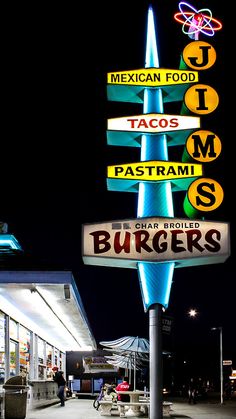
{"points": [[83, 409]]}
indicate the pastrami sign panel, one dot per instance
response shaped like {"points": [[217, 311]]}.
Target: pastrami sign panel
{"points": [[124, 243]]}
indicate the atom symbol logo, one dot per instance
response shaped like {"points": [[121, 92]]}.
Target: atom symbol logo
{"points": [[196, 21]]}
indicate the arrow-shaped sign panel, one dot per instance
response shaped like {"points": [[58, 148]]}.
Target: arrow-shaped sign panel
{"points": [[153, 123], [123, 243], [152, 77], [155, 170]]}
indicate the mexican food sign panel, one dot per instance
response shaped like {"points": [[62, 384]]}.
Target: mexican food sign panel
{"points": [[153, 77], [124, 243]]}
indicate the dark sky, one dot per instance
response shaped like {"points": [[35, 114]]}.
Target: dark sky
{"points": [[54, 156]]}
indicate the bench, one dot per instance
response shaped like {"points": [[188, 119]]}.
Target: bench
{"points": [[141, 406], [107, 408], [167, 408]]}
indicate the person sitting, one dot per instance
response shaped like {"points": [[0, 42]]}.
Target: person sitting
{"points": [[111, 391], [124, 386]]}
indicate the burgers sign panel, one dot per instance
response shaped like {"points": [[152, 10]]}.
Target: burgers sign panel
{"points": [[123, 243]]}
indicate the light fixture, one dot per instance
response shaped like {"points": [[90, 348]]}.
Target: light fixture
{"points": [[192, 312]]}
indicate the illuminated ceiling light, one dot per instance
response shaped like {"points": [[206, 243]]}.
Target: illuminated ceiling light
{"points": [[62, 339], [62, 316], [50, 315], [61, 323], [13, 312], [196, 21]]}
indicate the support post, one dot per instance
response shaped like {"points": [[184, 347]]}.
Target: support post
{"points": [[156, 362], [221, 367]]}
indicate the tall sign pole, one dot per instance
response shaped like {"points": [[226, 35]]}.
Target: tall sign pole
{"points": [[155, 199], [156, 242]]}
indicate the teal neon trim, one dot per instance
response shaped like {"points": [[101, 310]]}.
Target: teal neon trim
{"points": [[155, 282], [8, 241], [154, 199]]}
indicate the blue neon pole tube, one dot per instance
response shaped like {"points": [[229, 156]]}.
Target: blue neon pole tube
{"points": [[154, 199]]}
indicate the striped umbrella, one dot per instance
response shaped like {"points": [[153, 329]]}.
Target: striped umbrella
{"points": [[135, 346]]}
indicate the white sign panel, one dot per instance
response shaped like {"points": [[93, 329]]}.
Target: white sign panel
{"points": [[123, 243], [153, 123], [227, 362]]}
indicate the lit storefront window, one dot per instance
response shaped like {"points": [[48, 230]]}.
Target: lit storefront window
{"points": [[61, 361], [13, 329], [2, 347], [56, 357], [49, 360], [21, 343], [14, 345], [41, 359], [13, 358], [24, 341]]}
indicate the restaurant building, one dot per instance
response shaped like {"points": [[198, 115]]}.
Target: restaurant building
{"points": [[41, 318]]}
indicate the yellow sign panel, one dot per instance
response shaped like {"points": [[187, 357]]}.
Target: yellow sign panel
{"points": [[199, 55], [204, 146], [205, 194], [152, 77], [201, 99], [154, 170]]}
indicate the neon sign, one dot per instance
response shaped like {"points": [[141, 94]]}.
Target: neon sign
{"points": [[196, 21]]}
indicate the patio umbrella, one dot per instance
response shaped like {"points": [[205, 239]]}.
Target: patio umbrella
{"points": [[126, 361], [129, 344]]}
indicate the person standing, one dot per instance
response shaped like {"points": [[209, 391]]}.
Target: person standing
{"points": [[61, 382], [192, 392]]}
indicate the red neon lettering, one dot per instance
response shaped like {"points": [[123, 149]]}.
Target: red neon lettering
{"points": [[157, 246], [126, 243], [141, 243], [101, 245]]}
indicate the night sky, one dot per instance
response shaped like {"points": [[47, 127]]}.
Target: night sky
{"points": [[54, 158]]}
